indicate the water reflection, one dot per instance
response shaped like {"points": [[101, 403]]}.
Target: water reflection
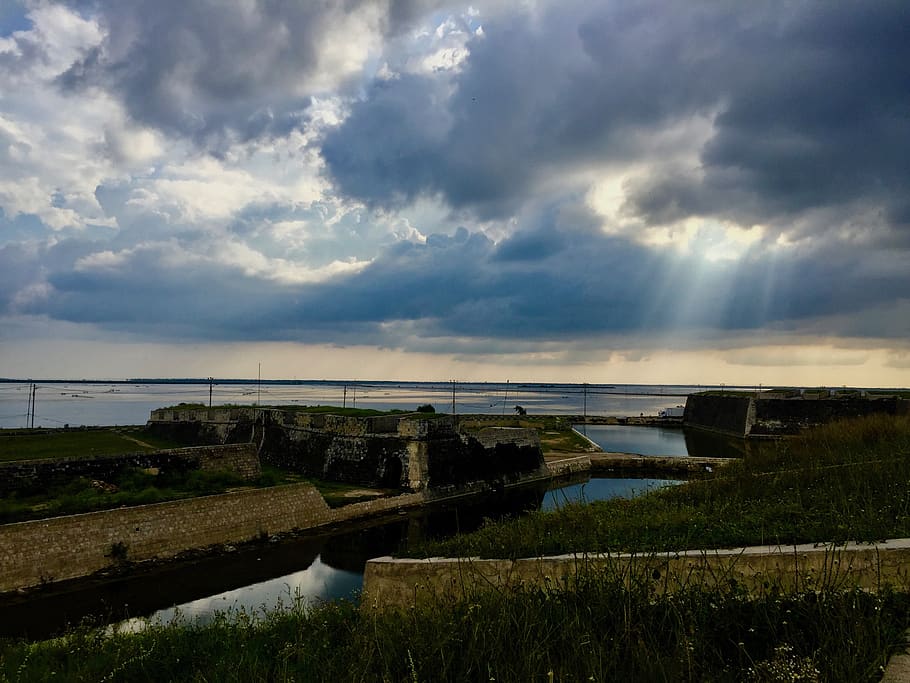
{"points": [[663, 441], [319, 581], [601, 488], [636, 439]]}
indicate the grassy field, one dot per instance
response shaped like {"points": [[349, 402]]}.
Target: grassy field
{"points": [[844, 481], [24, 444], [566, 441], [135, 486]]}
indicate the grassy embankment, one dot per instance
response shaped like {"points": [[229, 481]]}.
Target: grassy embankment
{"points": [[131, 486], [844, 481]]}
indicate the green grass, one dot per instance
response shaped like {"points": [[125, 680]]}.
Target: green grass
{"points": [[600, 630], [337, 494], [845, 481], [21, 444], [130, 487], [564, 441], [135, 486]]}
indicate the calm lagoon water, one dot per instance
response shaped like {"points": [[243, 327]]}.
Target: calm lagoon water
{"points": [[98, 403], [636, 439], [663, 441]]}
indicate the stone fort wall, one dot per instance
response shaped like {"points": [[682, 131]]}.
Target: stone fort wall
{"points": [[409, 451], [746, 416], [50, 550]]}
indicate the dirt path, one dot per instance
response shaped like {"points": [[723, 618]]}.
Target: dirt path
{"points": [[135, 440]]}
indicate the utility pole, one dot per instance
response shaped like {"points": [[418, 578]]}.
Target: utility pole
{"points": [[344, 400], [211, 384], [585, 386], [354, 397], [259, 386], [505, 398], [453, 397], [34, 391], [28, 411]]}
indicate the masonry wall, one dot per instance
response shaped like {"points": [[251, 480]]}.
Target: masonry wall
{"points": [[45, 551], [390, 582], [725, 414], [492, 454], [750, 416], [23, 475], [789, 416], [389, 451]]}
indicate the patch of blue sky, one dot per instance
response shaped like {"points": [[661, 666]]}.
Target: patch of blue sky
{"points": [[13, 17]]}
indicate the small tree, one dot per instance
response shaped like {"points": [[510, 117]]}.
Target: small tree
{"points": [[426, 408], [520, 411]]}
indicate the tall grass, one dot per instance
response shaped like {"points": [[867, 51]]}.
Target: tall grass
{"points": [[846, 481], [602, 630]]}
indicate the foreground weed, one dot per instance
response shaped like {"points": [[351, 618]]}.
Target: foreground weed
{"points": [[603, 626]]}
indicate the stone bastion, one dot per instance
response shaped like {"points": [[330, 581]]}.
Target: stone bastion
{"points": [[409, 451]]}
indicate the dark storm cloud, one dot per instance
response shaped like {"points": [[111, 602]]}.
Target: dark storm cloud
{"points": [[200, 69], [812, 105], [809, 106], [581, 285]]}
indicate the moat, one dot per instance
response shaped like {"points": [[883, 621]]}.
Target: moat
{"points": [[259, 576]]}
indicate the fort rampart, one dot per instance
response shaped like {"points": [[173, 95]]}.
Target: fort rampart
{"points": [[409, 451], [769, 416]]}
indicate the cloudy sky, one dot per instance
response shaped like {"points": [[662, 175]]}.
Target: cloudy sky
{"points": [[629, 191]]}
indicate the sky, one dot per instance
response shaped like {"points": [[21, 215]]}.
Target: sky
{"points": [[638, 191]]}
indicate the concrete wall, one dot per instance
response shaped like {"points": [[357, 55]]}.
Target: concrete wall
{"points": [[23, 475], [394, 582]]}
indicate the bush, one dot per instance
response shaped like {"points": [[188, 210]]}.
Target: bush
{"points": [[426, 408]]}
